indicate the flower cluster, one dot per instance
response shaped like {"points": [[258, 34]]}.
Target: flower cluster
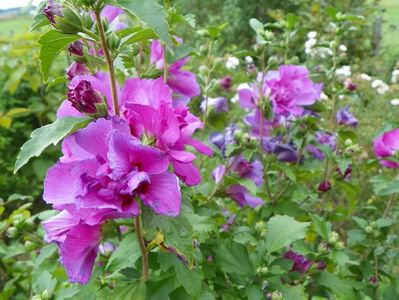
{"points": [[119, 162]]}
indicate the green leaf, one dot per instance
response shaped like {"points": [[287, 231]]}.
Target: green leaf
{"points": [[282, 231], [254, 292], [293, 292], [292, 20], [139, 36], [322, 227], [152, 14], [256, 25], [233, 258], [355, 236], [340, 287], [177, 232], [44, 136], [51, 44], [45, 281], [136, 290], [125, 255], [190, 279]]}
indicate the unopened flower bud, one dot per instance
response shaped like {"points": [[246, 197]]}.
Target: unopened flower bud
{"points": [[76, 48], [51, 10], [368, 229], [324, 186], [46, 294], [333, 237], [276, 295], [321, 265], [373, 280], [339, 245], [29, 246], [238, 135], [374, 224], [106, 249], [64, 18], [76, 69], [12, 232], [225, 83], [84, 98], [322, 248]]}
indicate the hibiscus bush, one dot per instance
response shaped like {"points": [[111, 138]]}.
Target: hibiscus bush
{"points": [[256, 171]]}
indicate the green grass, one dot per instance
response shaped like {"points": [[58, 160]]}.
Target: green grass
{"points": [[15, 25], [391, 27]]}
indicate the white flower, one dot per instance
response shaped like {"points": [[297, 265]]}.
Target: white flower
{"points": [[312, 34], [310, 43], [341, 97], [395, 76], [323, 96], [232, 63], [343, 48], [248, 59], [380, 86], [244, 86], [234, 99], [343, 72], [395, 102], [365, 76]]}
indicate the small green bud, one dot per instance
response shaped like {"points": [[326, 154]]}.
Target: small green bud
{"points": [[46, 294], [374, 224], [203, 69], [12, 232], [368, 229], [333, 237], [264, 270], [322, 248], [113, 41], [348, 142], [70, 22], [339, 245], [238, 134], [272, 61], [276, 295], [36, 297], [29, 246]]}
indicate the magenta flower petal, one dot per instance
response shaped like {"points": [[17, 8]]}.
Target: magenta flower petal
{"points": [[67, 110], [182, 156], [187, 172], [126, 152], [111, 12], [242, 196], [136, 179], [162, 194], [58, 226], [93, 139], [184, 83], [200, 147], [387, 145], [150, 92], [59, 186], [79, 251], [218, 173], [248, 97]]}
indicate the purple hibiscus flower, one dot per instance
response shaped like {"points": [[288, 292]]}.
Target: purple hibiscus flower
{"points": [[107, 168], [387, 145], [344, 117], [183, 83], [291, 89], [301, 263]]}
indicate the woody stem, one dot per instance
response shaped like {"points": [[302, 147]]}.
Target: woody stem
{"points": [[109, 61]]}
